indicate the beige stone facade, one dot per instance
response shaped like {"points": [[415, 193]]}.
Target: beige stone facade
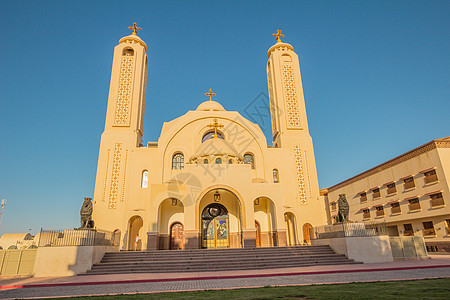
{"points": [[410, 192], [197, 189]]}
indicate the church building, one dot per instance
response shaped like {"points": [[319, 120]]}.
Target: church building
{"points": [[211, 180]]}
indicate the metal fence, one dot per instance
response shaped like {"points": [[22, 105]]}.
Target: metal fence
{"points": [[348, 229], [78, 237]]}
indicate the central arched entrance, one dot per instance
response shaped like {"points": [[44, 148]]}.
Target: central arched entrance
{"points": [[215, 226]]}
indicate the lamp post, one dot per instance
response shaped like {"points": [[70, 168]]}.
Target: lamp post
{"points": [[3, 203]]}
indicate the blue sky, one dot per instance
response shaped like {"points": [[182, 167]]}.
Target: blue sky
{"points": [[375, 77]]}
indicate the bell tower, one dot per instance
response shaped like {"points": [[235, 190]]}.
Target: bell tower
{"points": [[289, 122], [126, 101], [123, 126]]}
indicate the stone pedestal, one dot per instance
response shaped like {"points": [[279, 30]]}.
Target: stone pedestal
{"points": [[191, 239], [281, 238], [249, 237], [152, 240]]}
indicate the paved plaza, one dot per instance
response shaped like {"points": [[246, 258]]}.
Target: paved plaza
{"points": [[437, 267]]}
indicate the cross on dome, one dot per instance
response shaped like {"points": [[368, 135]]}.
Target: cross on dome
{"points": [[210, 94], [277, 35], [215, 125], [134, 28]]}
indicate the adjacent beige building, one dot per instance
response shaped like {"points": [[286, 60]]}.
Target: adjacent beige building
{"points": [[410, 192], [211, 180]]}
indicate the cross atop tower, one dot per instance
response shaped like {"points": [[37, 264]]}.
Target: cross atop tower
{"points": [[215, 125], [134, 28], [277, 35], [210, 94]]}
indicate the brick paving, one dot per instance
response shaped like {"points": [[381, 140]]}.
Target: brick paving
{"points": [[151, 283]]}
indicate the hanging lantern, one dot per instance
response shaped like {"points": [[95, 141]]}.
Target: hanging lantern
{"points": [[216, 196]]}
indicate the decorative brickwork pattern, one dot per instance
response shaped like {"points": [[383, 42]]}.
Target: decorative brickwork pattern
{"points": [[307, 173], [300, 176], [115, 176], [124, 94], [290, 94], [124, 176], [105, 181], [272, 100]]}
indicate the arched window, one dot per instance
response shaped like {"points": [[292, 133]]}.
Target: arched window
{"points": [[218, 161], [144, 183], [248, 159], [178, 161], [230, 161], [210, 135], [205, 161], [276, 179], [128, 52]]}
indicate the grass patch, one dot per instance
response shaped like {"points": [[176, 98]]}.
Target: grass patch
{"points": [[411, 289]]}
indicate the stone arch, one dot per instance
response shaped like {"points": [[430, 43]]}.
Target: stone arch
{"points": [[220, 187], [291, 229], [170, 210], [265, 213], [135, 227]]}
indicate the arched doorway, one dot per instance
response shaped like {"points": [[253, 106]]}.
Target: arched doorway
{"points": [[307, 233], [258, 234], [135, 237], [176, 236], [265, 215], [215, 226], [291, 226]]}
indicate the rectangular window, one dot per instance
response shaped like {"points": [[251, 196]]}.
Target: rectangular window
{"points": [[395, 208], [391, 188], [437, 200], [333, 206], [376, 193], [408, 230], [380, 211], [409, 183], [430, 176], [363, 197], [366, 214], [447, 225], [428, 229], [414, 204]]}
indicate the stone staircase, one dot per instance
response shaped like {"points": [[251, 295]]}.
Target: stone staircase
{"points": [[211, 260]]}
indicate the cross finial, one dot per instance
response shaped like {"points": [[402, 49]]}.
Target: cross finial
{"points": [[277, 35], [134, 28], [210, 94], [215, 125]]}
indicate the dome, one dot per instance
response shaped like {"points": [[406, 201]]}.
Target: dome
{"points": [[210, 105], [216, 148]]}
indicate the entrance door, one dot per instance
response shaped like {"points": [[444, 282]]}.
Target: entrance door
{"points": [[307, 233], [215, 227], [258, 234], [176, 236]]}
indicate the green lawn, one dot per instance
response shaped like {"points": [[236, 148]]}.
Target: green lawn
{"points": [[414, 289]]}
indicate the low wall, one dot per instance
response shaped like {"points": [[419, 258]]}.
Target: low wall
{"points": [[68, 260], [370, 249]]}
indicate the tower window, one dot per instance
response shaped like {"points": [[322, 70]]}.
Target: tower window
{"points": [[128, 52], [218, 161], [248, 159], [210, 135], [275, 176], [144, 179], [205, 161], [178, 161]]}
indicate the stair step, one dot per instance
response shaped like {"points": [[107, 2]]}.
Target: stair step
{"points": [[203, 260]]}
